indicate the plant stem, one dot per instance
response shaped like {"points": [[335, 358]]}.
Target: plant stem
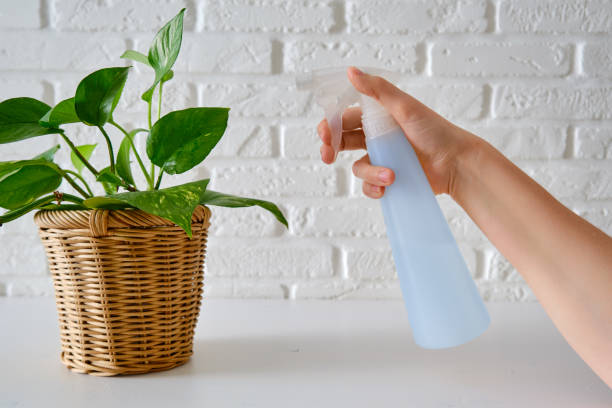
{"points": [[77, 175], [71, 198], [151, 173], [152, 176], [152, 167], [149, 114], [74, 184], [110, 149], [18, 212], [159, 179], [159, 106], [79, 155], [140, 163]]}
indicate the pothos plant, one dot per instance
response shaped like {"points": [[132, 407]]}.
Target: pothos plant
{"points": [[176, 142]]}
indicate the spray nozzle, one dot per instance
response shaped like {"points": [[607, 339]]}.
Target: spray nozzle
{"points": [[333, 91]]}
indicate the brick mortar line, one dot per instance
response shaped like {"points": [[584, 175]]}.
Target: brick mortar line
{"points": [[287, 78], [485, 37], [461, 38]]}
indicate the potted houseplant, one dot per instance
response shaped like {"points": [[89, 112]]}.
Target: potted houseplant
{"points": [[127, 267]]}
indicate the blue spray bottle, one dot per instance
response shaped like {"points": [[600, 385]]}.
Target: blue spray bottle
{"points": [[443, 304]]}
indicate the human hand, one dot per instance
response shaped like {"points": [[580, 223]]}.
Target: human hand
{"points": [[439, 144]]}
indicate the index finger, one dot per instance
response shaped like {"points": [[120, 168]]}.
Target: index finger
{"points": [[351, 120], [399, 104]]}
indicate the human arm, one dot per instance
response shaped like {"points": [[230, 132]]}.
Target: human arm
{"points": [[564, 259]]}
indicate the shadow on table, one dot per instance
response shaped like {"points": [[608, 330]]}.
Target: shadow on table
{"points": [[304, 352], [481, 364]]}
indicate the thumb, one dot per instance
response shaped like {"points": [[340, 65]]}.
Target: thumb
{"points": [[399, 104]]}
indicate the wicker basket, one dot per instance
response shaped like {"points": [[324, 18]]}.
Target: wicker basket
{"points": [[128, 287]]}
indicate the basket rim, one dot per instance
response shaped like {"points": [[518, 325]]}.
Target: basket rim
{"points": [[109, 219]]}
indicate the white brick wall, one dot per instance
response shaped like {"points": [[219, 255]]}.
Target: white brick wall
{"points": [[555, 16], [530, 76]]}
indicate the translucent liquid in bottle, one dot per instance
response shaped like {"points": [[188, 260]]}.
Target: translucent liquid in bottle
{"points": [[443, 304]]}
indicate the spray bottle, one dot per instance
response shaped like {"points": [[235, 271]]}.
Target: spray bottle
{"points": [[443, 304]]}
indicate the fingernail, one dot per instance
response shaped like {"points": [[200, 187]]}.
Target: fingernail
{"points": [[384, 176], [358, 71]]}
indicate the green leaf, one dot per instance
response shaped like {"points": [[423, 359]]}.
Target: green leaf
{"points": [[168, 76], [110, 182], [40, 160], [27, 184], [122, 165], [180, 140], [109, 188], [164, 50], [143, 59], [110, 178], [98, 94], [117, 97], [176, 204], [11, 166], [61, 114], [23, 181], [19, 119], [48, 154], [232, 201], [136, 56], [86, 151]]}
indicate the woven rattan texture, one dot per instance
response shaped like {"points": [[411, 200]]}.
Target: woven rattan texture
{"points": [[128, 288]]}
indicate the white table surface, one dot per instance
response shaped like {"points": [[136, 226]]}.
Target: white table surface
{"points": [[257, 353]]}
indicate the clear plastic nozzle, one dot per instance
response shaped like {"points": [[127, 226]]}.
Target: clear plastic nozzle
{"points": [[333, 91]]}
